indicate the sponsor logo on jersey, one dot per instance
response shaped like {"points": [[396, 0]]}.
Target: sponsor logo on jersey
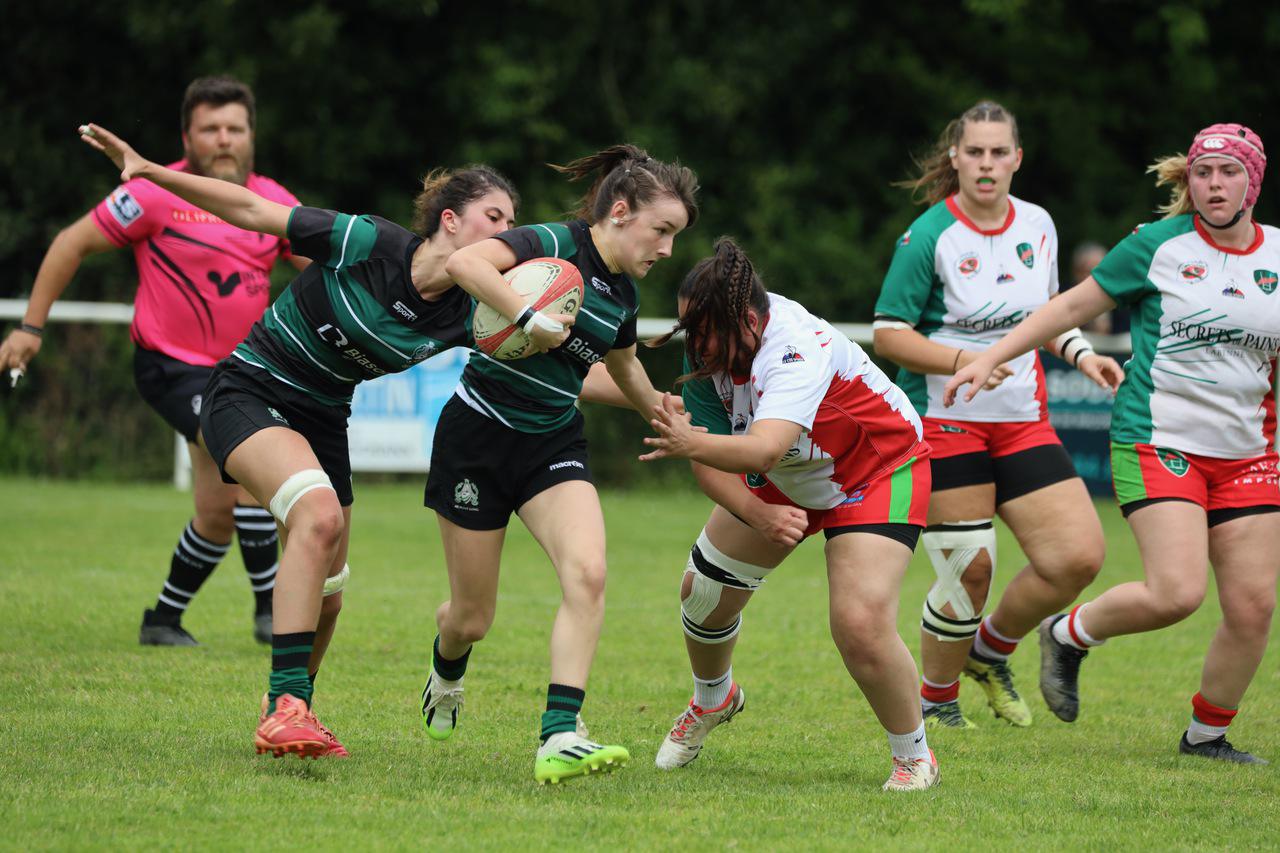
{"points": [[739, 423], [790, 355], [756, 481], [1173, 461], [602, 286], [969, 264], [1027, 255], [124, 208], [1194, 271], [331, 334], [1004, 278], [423, 352], [1266, 281], [195, 217], [1233, 291], [255, 282], [905, 239], [404, 310], [466, 494], [986, 324]]}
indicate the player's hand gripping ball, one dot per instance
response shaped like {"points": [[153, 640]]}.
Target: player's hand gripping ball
{"points": [[550, 285]]}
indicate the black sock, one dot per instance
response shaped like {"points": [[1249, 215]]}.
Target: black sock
{"points": [[563, 704], [449, 670], [290, 654], [256, 530], [193, 561]]}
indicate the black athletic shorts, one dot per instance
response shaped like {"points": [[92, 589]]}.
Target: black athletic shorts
{"points": [[171, 387], [482, 471], [241, 399], [1014, 475]]}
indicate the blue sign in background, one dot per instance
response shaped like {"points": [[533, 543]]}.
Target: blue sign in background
{"points": [[1080, 411]]}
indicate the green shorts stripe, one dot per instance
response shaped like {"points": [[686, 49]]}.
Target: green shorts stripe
{"points": [[901, 486], [1126, 473]]}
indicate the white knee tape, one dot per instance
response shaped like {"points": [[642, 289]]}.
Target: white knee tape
{"points": [[712, 570], [337, 583], [965, 540], [295, 487]]}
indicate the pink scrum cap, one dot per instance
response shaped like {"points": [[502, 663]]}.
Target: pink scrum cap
{"points": [[1234, 142]]}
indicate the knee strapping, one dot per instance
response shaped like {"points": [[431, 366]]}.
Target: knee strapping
{"points": [[965, 541], [337, 583], [294, 488], [711, 571]]}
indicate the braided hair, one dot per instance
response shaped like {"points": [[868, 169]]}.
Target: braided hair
{"points": [[719, 292]]}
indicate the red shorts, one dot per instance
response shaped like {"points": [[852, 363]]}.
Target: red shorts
{"points": [[1143, 472], [953, 438], [900, 496]]}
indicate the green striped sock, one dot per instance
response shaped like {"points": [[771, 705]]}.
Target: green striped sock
{"points": [[563, 705], [290, 654]]}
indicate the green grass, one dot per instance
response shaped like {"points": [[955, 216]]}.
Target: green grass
{"points": [[104, 744]]}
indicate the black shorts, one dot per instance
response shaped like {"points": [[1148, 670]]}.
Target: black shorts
{"points": [[1014, 475], [171, 387], [241, 399], [482, 471]]}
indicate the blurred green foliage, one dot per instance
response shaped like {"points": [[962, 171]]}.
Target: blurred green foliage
{"points": [[797, 118]]}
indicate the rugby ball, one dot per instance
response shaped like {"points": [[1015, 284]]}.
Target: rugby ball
{"points": [[551, 285]]}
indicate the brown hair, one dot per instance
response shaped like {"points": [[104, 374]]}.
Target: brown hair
{"points": [[1171, 171], [718, 293], [628, 172], [454, 189], [217, 91], [937, 179]]}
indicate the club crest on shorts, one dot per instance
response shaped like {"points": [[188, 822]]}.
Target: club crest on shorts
{"points": [[1027, 255], [195, 403], [1173, 461], [275, 414], [1266, 281], [756, 481], [1193, 271], [969, 264], [466, 492]]}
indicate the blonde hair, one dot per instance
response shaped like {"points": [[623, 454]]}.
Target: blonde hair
{"points": [[1171, 171], [937, 179]]}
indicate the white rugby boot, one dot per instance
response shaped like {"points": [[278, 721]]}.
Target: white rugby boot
{"points": [[684, 741]]}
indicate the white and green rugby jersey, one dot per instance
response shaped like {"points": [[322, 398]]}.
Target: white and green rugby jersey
{"points": [[537, 394], [965, 287], [1205, 329]]}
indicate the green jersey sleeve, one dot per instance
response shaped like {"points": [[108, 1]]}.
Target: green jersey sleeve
{"points": [[910, 279], [703, 404], [329, 238], [551, 240]]}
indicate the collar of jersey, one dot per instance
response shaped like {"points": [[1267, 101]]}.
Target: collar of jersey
{"points": [[1208, 238], [954, 207]]}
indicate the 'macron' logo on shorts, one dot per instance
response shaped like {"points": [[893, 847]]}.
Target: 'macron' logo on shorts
{"points": [[1194, 271], [466, 492], [1027, 255], [1173, 461], [1266, 280]]}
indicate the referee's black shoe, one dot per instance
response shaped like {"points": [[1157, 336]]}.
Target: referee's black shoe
{"points": [[1219, 748], [157, 630]]}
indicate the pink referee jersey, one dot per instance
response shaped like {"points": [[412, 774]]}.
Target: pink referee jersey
{"points": [[201, 282]]}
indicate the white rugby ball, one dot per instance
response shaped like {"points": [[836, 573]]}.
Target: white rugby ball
{"points": [[550, 285]]}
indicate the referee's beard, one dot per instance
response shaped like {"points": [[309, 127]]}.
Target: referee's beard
{"points": [[223, 165]]}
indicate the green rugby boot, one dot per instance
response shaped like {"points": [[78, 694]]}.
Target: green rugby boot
{"points": [[946, 715], [996, 680], [568, 754]]}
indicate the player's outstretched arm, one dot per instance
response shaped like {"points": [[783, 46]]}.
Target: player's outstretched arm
{"points": [[230, 202]]}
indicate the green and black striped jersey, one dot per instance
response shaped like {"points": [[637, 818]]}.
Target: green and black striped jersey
{"points": [[354, 314], [537, 394]]}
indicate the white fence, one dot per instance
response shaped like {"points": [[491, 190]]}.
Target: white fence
{"points": [[393, 419]]}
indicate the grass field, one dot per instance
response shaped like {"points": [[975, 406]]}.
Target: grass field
{"points": [[106, 744]]}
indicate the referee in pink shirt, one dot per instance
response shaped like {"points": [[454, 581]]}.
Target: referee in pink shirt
{"points": [[201, 284]]}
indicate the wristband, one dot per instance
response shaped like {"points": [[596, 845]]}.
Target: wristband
{"points": [[522, 319], [38, 331], [1074, 348], [541, 321]]}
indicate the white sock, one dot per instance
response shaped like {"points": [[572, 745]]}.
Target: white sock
{"points": [[1198, 732], [911, 745], [1062, 630], [712, 693]]}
